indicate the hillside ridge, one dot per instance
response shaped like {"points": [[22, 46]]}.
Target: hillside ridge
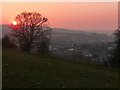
{"points": [[26, 70]]}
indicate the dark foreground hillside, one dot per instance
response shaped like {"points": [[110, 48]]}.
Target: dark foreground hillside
{"points": [[26, 70]]}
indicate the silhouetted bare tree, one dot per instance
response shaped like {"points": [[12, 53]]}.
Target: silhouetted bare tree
{"points": [[43, 43], [29, 28], [115, 61]]}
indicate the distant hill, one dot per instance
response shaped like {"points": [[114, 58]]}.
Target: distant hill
{"points": [[5, 29], [27, 70], [66, 35], [108, 32], [71, 36]]}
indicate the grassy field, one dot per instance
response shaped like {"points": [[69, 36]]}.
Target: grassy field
{"points": [[27, 70]]}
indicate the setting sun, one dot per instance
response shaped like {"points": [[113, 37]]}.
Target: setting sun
{"points": [[14, 23]]}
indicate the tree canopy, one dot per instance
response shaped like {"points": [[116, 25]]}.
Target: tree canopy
{"points": [[29, 28]]}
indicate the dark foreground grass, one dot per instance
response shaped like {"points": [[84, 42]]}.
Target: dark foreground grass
{"points": [[27, 70]]}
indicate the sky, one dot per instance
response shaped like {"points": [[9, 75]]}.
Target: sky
{"points": [[70, 15], [59, 0]]}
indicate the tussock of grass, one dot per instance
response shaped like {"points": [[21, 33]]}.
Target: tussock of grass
{"points": [[28, 70]]}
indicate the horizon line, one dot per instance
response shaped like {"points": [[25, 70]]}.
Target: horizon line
{"points": [[74, 29]]}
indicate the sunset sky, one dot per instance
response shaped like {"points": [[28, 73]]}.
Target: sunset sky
{"points": [[77, 15]]}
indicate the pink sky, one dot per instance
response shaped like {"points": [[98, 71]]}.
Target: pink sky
{"points": [[77, 15]]}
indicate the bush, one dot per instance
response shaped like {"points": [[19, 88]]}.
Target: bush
{"points": [[6, 42]]}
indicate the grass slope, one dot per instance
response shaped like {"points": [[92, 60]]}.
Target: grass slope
{"points": [[27, 70]]}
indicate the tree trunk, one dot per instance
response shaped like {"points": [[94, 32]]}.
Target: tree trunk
{"points": [[27, 47]]}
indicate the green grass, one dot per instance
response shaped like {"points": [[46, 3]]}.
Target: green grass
{"points": [[27, 70]]}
